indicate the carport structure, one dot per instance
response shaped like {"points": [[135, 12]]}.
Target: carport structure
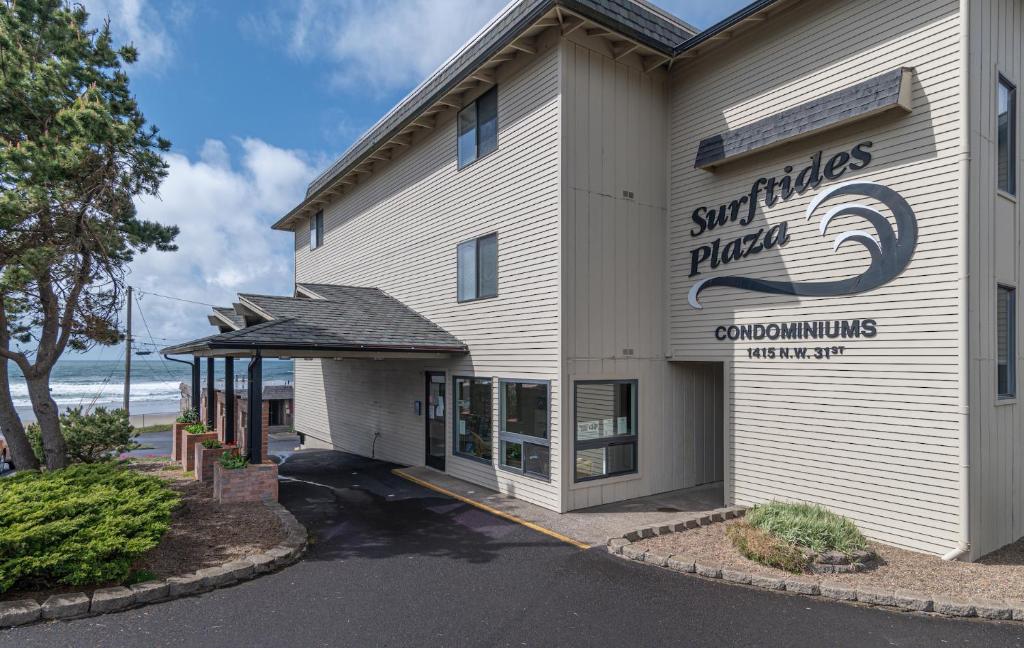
{"points": [[320, 321]]}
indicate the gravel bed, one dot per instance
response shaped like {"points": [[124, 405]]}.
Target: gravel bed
{"points": [[998, 576], [203, 533]]}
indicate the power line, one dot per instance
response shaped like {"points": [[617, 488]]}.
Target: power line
{"points": [[163, 363], [180, 299]]}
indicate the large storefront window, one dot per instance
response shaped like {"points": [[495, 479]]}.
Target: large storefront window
{"points": [[606, 429], [525, 442], [473, 418]]}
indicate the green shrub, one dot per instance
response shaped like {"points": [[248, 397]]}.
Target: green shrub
{"points": [[188, 416], [807, 525], [78, 526], [211, 444], [98, 436], [761, 547], [233, 461], [196, 428]]}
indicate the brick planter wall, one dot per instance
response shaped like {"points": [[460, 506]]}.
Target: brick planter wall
{"points": [[176, 433], [204, 460], [249, 484], [188, 447]]}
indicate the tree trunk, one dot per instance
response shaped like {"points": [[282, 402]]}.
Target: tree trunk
{"points": [[11, 426], [48, 417]]}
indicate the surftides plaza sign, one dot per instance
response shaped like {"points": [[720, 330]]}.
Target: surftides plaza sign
{"points": [[890, 250]]}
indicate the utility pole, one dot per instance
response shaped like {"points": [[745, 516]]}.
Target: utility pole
{"points": [[128, 356]]}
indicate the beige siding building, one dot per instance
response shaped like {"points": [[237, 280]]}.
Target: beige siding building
{"points": [[779, 255]]}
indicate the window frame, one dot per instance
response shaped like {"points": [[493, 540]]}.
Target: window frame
{"points": [[476, 262], [474, 106], [455, 419], [633, 439], [316, 230], [522, 439], [1001, 81], [1011, 344]]}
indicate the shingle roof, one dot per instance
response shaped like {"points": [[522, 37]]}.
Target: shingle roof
{"points": [[278, 392], [355, 319], [869, 97], [229, 314]]}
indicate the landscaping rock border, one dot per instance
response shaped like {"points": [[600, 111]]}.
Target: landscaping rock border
{"points": [[897, 600], [114, 599]]}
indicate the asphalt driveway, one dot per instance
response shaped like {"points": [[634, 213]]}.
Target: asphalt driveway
{"points": [[394, 564]]}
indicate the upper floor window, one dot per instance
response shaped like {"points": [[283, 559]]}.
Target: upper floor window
{"points": [[316, 230], [478, 127], [478, 268], [1006, 137], [1006, 335]]}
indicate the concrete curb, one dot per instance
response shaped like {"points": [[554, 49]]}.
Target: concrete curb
{"points": [[899, 600], [114, 599]]}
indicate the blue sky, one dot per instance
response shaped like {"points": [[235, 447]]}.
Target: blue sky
{"points": [[256, 97]]}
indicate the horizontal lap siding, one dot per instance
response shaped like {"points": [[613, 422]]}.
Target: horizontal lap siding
{"points": [[996, 429], [614, 268], [398, 231], [874, 434]]}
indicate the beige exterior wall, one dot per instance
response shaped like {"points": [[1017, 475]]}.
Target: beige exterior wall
{"points": [[613, 263], [872, 434], [997, 429], [398, 231]]}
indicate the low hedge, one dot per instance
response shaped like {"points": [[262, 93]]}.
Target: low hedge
{"points": [[82, 525]]}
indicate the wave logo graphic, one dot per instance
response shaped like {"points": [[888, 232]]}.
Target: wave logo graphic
{"points": [[890, 252]]}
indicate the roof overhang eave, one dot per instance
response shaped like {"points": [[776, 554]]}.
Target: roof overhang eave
{"points": [[511, 34], [217, 349]]}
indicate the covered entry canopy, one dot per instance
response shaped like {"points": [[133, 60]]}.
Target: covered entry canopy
{"points": [[321, 321]]}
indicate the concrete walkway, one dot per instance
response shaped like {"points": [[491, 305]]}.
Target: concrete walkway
{"points": [[590, 526]]}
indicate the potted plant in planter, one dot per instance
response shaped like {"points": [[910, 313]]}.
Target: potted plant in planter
{"points": [[207, 453], [186, 418], [236, 480], [192, 436]]}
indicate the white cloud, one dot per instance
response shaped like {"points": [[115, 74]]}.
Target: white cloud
{"points": [[380, 45], [138, 23], [226, 245]]}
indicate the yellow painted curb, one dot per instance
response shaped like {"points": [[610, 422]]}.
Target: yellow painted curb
{"points": [[491, 510]]}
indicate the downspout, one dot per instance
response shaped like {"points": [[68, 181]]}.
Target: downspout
{"points": [[963, 548]]}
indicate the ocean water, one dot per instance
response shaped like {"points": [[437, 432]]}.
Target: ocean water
{"points": [[154, 385]]}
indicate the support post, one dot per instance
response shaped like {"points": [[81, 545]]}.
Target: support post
{"points": [[229, 400], [211, 396], [193, 401], [255, 410]]}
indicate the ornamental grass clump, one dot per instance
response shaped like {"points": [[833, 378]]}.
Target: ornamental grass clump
{"points": [[81, 525], [808, 525], [788, 536]]}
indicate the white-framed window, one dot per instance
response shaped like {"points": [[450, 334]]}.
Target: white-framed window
{"points": [[316, 230], [477, 273], [1006, 342], [478, 128], [1006, 137], [605, 440], [525, 427]]}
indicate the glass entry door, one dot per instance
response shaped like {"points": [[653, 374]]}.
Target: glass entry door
{"points": [[435, 401]]}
